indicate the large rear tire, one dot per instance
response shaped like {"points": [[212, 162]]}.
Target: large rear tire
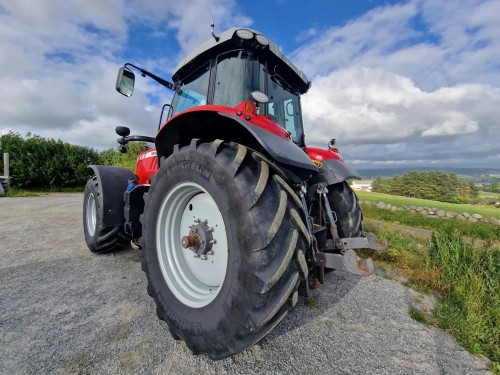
{"points": [[99, 238], [229, 301], [344, 203]]}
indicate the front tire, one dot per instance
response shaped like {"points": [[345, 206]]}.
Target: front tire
{"points": [[227, 302], [344, 203], [99, 238]]}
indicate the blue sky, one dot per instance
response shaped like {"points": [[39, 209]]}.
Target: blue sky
{"points": [[398, 83]]}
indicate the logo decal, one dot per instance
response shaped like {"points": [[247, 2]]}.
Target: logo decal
{"points": [[318, 163], [191, 165]]}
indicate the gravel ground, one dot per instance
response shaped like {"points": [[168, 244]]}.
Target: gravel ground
{"points": [[65, 310]]}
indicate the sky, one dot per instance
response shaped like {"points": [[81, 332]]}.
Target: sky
{"points": [[398, 83]]}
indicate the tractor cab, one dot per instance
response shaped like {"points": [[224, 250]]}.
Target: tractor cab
{"points": [[228, 68]]}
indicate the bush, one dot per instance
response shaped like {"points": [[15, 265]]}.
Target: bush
{"points": [[40, 163]]}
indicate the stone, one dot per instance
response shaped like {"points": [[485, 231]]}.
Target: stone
{"points": [[472, 219], [460, 217], [431, 212], [451, 214], [388, 206], [381, 205], [424, 212], [368, 203], [466, 215], [493, 220], [413, 208], [419, 209], [477, 216], [441, 213], [394, 208]]}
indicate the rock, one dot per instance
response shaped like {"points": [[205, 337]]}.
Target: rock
{"points": [[484, 220], [381, 205], [401, 279], [466, 215], [451, 214], [431, 212], [477, 216], [404, 209], [472, 219], [388, 206], [460, 217], [419, 209], [394, 209], [368, 203], [493, 220], [424, 212], [441, 213], [413, 208]]}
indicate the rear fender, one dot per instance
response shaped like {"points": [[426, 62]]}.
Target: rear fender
{"points": [[112, 183], [210, 125]]}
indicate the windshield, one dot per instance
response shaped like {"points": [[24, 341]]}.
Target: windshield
{"points": [[193, 91]]}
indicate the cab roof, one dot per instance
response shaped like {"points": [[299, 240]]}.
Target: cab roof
{"points": [[229, 40]]}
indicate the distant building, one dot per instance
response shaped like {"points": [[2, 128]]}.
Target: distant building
{"points": [[364, 185]]}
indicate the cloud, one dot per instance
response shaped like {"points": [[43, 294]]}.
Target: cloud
{"points": [[380, 116], [406, 84], [60, 61]]}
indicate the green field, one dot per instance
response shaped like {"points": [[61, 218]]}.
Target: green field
{"points": [[487, 194], [399, 201]]}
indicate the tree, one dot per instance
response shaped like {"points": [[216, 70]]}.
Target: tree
{"points": [[126, 160]]}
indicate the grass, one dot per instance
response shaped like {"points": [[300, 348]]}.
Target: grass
{"points": [[469, 281], [399, 201], [484, 231], [488, 194], [465, 277]]}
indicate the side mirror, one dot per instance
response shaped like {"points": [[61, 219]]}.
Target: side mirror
{"points": [[331, 144], [122, 131], [125, 82]]}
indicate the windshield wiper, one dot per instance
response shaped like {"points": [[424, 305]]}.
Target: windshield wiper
{"points": [[280, 81]]}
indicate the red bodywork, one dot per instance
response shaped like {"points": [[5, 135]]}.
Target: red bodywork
{"points": [[147, 162]]}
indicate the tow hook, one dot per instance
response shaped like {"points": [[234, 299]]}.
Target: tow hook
{"points": [[348, 260]]}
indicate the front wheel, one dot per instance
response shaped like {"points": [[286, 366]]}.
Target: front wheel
{"points": [[223, 246], [344, 203], [99, 238]]}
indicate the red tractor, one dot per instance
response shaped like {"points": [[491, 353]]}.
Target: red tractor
{"points": [[236, 217]]}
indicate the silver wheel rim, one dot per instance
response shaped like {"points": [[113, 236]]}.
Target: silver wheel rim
{"points": [[91, 215], [193, 280]]}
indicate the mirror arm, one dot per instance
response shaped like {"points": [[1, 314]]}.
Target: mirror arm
{"points": [[135, 138], [144, 73]]}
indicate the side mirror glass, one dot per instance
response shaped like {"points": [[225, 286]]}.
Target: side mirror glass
{"points": [[125, 82]]}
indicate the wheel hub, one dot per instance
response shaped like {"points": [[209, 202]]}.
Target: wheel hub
{"points": [[200, 239]]}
